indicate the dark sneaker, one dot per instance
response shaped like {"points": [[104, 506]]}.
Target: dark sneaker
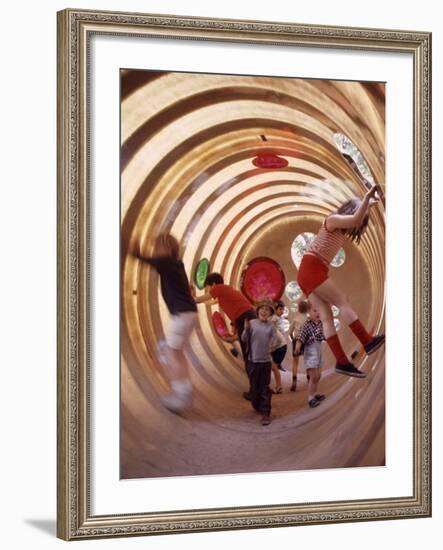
{"points": [[349, 370], [281, 368], [314, 402], [374, 344], [246, 395], [266, 420], [319, 396]]}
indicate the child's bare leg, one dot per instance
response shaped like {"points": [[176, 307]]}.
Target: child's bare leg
{"points": [[329, 331], [177, 367], [295, 360], [325, 312], [330, 293], [277, 377], [314, 398], [313, 383]]}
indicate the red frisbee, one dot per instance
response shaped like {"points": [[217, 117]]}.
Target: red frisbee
{"points": [[269, 161], [263, 278], [219, 324]]}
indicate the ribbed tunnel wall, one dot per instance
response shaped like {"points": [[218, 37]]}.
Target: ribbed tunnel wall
{"points": [[188, 141]]}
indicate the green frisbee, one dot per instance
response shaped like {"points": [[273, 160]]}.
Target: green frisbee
{"points": [[201, 272]]}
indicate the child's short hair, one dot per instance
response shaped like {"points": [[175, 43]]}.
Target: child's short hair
{"points": [[169, 243], [304, 306], [214, 279]]}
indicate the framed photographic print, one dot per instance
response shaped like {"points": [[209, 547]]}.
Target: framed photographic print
{"points": [[243, 274]]}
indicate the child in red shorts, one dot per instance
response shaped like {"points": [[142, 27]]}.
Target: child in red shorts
{"points": [[348, 222]]}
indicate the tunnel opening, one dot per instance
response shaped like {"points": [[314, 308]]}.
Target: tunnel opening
{"points": [[188, 143]]}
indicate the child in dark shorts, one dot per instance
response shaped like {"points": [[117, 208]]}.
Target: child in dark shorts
{"points": [[279, 346]]}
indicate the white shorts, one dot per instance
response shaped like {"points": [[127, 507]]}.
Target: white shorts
{"points": [[313, 358], [180, 328]]}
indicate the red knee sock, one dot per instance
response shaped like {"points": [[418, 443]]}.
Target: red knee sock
{"points": [[359, 330], [337, 350]]}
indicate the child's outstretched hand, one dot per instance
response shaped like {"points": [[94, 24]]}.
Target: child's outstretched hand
{"points": [[371, 194]]}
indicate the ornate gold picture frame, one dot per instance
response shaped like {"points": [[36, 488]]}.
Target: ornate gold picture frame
{"points": [[76, 211]]}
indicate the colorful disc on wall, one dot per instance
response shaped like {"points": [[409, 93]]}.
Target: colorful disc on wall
{"points": [[261, 279], [219, 324], [269, 161], [201, 272]]}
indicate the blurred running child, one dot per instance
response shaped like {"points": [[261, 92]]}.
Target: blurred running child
{"points": [[176, 293]]}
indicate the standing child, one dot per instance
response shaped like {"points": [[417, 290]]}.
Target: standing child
{"points": [[310, 336], [259, 334], [279, 353], [232, 302], [348, 222], [279, 346], [293, 331], [176, 293]]}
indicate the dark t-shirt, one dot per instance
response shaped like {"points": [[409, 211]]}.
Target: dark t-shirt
{"points": [[174, 284]]}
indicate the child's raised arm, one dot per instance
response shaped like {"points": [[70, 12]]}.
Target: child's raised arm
{"points": [[340, 221]]}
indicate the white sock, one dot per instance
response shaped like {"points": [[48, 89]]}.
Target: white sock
{"points": [[310, 397], [181, 386]]}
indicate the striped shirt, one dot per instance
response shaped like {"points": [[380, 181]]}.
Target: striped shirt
{"points": [[310, 332], [327, 243]]}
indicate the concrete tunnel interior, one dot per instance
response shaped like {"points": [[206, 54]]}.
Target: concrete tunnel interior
{"points": [[187, 146]]}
